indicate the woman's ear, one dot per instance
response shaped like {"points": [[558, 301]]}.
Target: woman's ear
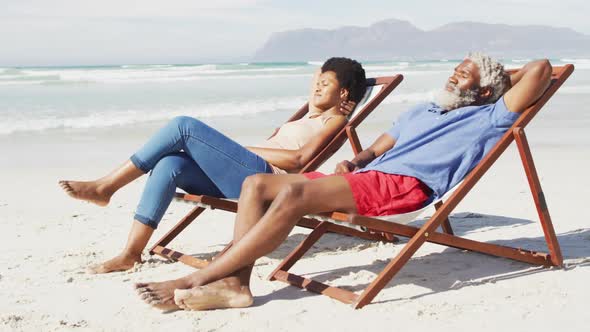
{"points": [[344, 94]]}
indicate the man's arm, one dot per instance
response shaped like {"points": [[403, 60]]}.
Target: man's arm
{"points": [[528, 84], [379, 147]]}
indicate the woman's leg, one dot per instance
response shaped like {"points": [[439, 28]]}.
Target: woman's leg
{"points": [[100, 191], [224, 161], [137, 239], [172, 171]]}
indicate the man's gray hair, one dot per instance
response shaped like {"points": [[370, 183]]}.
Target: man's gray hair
{"points": [[491, 73]]}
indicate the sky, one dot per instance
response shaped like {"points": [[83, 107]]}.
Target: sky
{"points": [[84, 32]]}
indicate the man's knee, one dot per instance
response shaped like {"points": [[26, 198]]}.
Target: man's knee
{"points": [[254, 184], [294, 195]]}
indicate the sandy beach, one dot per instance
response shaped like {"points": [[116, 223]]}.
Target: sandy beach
{"points": [[49, 240]]}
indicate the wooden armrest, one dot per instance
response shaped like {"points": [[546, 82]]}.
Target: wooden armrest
{"points": [[353, 138]]}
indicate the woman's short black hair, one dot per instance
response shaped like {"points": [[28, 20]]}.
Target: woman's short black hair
{"points": [[350, 75]]}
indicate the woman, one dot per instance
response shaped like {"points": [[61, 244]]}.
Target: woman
{"points": [[188, 154]]}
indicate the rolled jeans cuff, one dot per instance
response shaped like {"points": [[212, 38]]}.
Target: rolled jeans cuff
{"points": [[146, 221], [139, 164]]}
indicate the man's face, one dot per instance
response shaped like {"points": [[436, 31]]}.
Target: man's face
{"points": [[462, 87], [465, 77]]}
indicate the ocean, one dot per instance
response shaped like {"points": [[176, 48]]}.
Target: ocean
{"points": [[233, 96]]}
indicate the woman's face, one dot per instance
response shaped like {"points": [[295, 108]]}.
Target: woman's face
{"points": [[328, 93]]}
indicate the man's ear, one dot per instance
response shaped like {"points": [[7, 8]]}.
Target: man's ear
{"points": [[485, 93], [344, 94]]}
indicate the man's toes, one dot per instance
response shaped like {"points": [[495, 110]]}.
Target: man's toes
{"points": [[182, 294], [93, 269], [148, 296], [141, 291], [182, 306], [153, 301], [140, 285], [65, 186]]}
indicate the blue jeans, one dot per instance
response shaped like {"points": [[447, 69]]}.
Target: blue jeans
{"points": [[188, 154]]}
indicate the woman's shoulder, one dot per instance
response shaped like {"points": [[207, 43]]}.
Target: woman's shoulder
{"points": [[334, 118]]}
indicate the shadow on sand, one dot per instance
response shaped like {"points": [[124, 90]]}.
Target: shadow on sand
{"points": [[451, 269]]}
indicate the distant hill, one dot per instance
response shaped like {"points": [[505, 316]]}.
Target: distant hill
{"points": [[400, 40]]}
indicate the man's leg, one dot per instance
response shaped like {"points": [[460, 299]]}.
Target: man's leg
{"points": [[291, 204], [257, 191]]}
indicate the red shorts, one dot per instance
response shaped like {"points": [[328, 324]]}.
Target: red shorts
{"points": [[382, 194]]}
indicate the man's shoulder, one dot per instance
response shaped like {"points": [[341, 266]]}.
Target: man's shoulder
{"points": [[498, 104]]}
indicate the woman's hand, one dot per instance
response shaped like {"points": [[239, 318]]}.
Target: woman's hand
{"points": [[344, 167], [274, 133], [346, 107]]}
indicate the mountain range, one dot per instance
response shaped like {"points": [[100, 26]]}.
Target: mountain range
{"points": [[395, 39]]}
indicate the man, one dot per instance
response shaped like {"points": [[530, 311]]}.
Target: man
{"points": [[430, 149]]}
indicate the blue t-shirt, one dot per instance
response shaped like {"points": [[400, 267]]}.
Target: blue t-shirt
{"points": [[440, 148]]}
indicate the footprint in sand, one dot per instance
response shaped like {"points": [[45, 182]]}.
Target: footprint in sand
{"points": [[12, 320]]}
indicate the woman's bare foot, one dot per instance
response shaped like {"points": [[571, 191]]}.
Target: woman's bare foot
{"points": [[161, 294], [119, 263], [91, 191], [224, 293]]}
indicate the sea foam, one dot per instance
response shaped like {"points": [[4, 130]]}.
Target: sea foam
{"points": [[11, 122]]}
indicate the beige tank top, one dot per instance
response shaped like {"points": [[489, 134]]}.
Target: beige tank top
{"points": [[295, 134]]}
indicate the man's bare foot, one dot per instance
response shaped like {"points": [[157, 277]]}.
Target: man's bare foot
{"points": [[91, 191], [161, 294], [119, 263], [224, 293]]}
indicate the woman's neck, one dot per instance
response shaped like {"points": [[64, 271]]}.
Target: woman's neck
{"points": [[334, 110]]}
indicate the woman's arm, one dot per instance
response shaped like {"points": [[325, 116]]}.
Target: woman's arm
{"points": [[294, 160]]}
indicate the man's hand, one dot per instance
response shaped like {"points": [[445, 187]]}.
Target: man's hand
{"points": [[528, 84], [344, 167], [346, 107]]}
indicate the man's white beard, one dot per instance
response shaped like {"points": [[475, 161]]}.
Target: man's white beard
{"points": [[452, 100]]}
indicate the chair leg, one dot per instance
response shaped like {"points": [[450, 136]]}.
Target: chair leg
{"points": [[301, 249], [347, 231], [446, 224], [396, 264], [538, 196], [177, 229]]}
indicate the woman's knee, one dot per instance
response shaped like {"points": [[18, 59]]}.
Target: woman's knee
{"points": [[170, 165], [183, 121]]}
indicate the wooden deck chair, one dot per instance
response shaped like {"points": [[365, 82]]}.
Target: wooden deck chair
{"points": [[428, 232], [377, 89]]}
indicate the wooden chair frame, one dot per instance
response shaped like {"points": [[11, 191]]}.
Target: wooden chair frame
{"points": [[428, 232], [204, 203]]}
